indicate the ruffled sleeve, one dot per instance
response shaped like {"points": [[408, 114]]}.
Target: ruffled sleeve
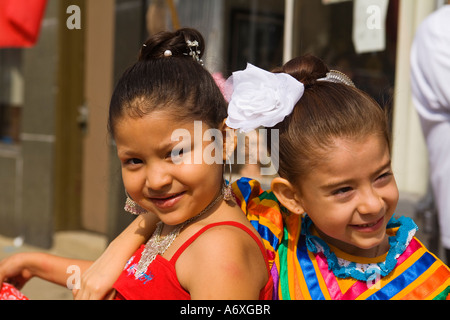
{"points": [[263, 211]]}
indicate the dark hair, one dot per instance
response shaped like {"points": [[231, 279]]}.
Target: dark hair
{"points": [[326, 111], [177, 83]]}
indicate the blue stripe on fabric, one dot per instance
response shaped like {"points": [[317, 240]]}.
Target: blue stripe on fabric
{"points": [[406, 278], [308, 270], [265, 233], [245, 188]]}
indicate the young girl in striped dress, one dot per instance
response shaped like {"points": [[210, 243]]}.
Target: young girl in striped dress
{"points": [[329, 217]]}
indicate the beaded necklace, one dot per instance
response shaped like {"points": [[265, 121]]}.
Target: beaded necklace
{"points": [[158, 245]]}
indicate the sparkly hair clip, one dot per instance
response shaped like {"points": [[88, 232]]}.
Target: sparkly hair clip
{"points": [[337, 77], [193, 51]]}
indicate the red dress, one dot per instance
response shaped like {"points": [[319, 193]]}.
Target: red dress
{"points": [[8, 292], [160, 281]]}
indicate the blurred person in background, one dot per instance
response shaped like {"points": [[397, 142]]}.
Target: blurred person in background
{"points": [[430, 77]]}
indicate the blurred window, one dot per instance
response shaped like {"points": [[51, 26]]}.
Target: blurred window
{"points": [[11, 95], [325, 28]]}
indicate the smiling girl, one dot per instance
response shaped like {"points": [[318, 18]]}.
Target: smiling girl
{"points": [[203, 246], [328, 218], [203, 241]]}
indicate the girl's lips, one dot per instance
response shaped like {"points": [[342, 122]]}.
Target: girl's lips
{"points": [[167, 201], [369, 227]]}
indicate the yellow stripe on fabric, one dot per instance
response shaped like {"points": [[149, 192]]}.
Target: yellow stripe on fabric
{"points": [[345, 284], [395, 273]]}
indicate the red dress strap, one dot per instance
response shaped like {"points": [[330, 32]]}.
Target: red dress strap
{"points": [[177, 254]]}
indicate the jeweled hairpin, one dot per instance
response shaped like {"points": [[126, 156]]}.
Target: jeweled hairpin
{"points": [[193, 51], [337, 77]]}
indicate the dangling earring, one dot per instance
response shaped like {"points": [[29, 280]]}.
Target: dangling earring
{"points": [[227, 190], [132, 207]]}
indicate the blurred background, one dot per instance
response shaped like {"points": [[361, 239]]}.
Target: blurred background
{"points": [[60, 59]]}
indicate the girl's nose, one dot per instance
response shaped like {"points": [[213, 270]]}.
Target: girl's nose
{"points": [[370, 202], [157, 178]]}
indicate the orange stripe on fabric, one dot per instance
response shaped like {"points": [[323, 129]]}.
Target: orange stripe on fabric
{"points": [[429, 285], [441, 290], [298, 279], [292, 224]]}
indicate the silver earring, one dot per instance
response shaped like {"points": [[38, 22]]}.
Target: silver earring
{"points": [[132, 207], [227, 190]]}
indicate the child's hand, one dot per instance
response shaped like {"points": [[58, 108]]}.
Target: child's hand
{"points": [[15, 271], [96, 284]]}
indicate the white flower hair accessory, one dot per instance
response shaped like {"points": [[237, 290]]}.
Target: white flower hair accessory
{"points": [[260, 98]]}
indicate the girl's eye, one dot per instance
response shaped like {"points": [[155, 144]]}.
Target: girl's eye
{"points": [[342, 191], [385, 175], [383, 179], [178, 154], [133, 161], [175, 153]]}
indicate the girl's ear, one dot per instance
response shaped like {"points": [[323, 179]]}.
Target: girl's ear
{"points": [[229, 141], [288, 196]]}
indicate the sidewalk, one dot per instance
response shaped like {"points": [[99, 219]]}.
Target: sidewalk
{"points": [[73, 244], [86, 245]]}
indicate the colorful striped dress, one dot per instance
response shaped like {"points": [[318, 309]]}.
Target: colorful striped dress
{"points": [[303, 266]]}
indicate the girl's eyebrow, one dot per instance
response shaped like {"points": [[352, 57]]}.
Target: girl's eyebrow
{"points": [[126, 153], [163, 146], [335, 185]]}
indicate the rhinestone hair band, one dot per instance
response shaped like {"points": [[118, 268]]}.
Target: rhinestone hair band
{"points": [[337, 77]]}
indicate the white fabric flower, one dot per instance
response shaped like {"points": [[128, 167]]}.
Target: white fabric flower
{"points": [[261, 98]]}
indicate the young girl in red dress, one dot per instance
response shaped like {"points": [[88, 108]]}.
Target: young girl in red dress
{"points": [[203, 247]]}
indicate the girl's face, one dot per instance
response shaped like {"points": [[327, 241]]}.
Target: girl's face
{"points": [[154, 178], [351, 195]]}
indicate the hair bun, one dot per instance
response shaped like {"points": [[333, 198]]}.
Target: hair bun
{"points": [[159, 45], [307, 69]]}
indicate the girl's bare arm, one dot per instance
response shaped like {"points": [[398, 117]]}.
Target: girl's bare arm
{"points": [[98, 280]]}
